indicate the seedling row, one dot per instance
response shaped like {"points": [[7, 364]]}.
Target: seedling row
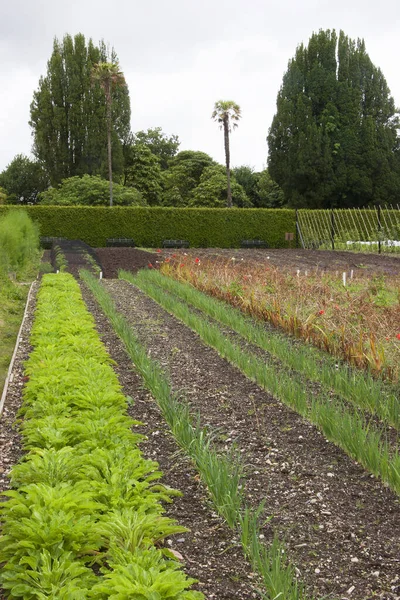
{"points": [[84, 517]]}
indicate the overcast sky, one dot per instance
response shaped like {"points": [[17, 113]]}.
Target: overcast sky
{"points": [[180, 56]]}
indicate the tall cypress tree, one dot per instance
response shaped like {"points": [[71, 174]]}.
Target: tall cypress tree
{"points": [[333, 141], [68, 113]]}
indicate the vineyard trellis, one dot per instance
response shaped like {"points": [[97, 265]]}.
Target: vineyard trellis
{"points": [[375, 229]]}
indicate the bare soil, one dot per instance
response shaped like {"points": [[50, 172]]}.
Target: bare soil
{"points": [[132, 259]]}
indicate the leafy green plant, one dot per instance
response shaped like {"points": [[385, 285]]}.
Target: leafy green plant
{"points": [[84, 486], [45, 575]]}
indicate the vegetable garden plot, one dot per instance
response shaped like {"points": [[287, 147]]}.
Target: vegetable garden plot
{"points": [[290, 465], [211, 550], [83, 495], [354, 317]]}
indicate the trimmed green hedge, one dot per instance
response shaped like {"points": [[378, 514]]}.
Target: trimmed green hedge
{"points": [[202, 227]]}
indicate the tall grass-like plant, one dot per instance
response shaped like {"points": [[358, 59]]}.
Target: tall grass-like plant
{"points": [[355, 386], [19, 242], [357, 322], [366, 445]]}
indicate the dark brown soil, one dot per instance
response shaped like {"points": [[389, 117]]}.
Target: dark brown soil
{"points": [[130, 259], [341, 525], [133, 259]]}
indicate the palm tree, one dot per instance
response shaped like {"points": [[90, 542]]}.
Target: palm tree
{"points": [[227, 112], [108, 75]]}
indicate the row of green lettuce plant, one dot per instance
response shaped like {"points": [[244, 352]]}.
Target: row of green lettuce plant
{"points": [[342, 424], [222, 474], [84, 517], [355, 386]]}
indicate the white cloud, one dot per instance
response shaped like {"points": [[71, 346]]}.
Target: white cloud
{"points": [[180, 56]]}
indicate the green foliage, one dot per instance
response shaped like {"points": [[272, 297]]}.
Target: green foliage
{"points": [[212, 190], [183, 176], [19, 242], [23, 178], [147, 576], [202, 227], [83, 493], [163, 146], [68, 113], [90, 190], [247, 178], [3, 196], [57, 576], [259, 187], [269, 194], [143, 172], [333, 141]]}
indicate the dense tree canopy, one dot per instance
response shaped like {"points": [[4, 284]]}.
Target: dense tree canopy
{"points": [[261, 190], [183, 176], [23, 179], [90, 190], [212, 189], [143, 172], [163, 146], [68, 113], [333, 141]]}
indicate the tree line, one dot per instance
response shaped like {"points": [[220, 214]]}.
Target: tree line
{"points": [[333, 141]]}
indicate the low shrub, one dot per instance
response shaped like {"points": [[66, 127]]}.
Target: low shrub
{"points": [[19, 242]]}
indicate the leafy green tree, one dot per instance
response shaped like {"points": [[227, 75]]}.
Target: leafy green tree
{"points": [[90, 190], [227, 113], [211, 191], [333, 141], [23, 178], [247, 178], [109, 77], [3, 196], [163, 146], [269, 194], [69, 115], [143, 172], [183, 176]]}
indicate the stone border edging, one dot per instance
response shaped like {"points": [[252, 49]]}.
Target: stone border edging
{"points": [[11, 365]]}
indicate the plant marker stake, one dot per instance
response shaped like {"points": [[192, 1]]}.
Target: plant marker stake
{"points": [[305, 273], [344, 279], [58, 271], [101, 275], [351, 274], [298, 272]]}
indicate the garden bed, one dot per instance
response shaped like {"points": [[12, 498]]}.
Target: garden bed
{"points": [[340, 524], [133, 259]]}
